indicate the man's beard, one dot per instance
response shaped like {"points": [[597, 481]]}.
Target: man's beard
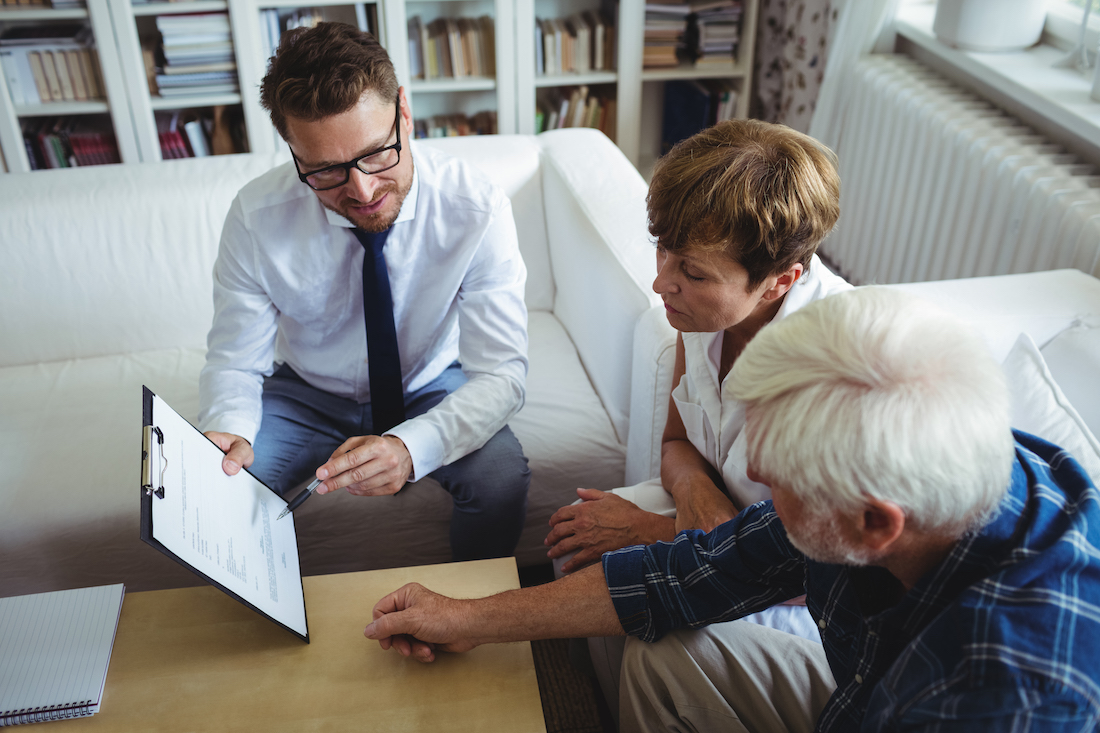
{"points": [[820, 541], [381, 220]]}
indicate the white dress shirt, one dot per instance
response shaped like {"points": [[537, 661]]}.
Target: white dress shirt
{"points": [[288, 288], [713, 420]]}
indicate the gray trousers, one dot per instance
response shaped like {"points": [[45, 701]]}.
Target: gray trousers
{"points": [[734, 677]]}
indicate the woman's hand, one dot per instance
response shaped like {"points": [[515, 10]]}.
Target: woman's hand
{"points": [[602, 522]]}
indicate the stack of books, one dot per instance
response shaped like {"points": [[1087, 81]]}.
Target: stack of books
{"points": [[67, 142], [666, 26], [195, 55], [482, 123], [719, 31], [50, 63], [559, 107], [452, 48], [581, 43]]}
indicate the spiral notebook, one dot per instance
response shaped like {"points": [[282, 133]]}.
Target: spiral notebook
{"points": [[54, 652]]}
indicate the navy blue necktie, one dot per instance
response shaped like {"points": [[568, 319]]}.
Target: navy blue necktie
{"points": [[387, 398]]}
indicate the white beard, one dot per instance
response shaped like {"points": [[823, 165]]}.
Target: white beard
{"points": [[820, 541]]}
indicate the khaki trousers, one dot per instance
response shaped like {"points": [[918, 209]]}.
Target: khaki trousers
{"points": [[733, 677]]}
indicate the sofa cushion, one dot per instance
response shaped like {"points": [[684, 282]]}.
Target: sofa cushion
{"points": [[81, 418], [1073, 357], [1041, 408]]}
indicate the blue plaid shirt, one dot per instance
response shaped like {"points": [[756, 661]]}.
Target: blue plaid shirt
{"points": [[1003, 635]]}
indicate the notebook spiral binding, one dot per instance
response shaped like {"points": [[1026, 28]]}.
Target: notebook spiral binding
{"points": [[41, 715]]}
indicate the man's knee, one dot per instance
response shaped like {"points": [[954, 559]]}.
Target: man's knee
{"points": [[496, 473]]}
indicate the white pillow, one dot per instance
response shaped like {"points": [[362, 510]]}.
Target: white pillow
{"points": [[1040, 407], [1073, 357]]}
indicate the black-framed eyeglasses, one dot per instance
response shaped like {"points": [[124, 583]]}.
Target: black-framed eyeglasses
{"points": [[337, 175]]}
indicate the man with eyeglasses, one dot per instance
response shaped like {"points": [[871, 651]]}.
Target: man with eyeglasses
{"points": [[369, 325]]}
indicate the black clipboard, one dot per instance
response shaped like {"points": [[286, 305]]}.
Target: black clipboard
{"points": [[153, 489]]}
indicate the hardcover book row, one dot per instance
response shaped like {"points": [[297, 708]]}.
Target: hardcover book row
{"points": [[453, 48]]}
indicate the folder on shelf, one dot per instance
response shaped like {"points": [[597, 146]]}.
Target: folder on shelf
{"points": [[54, 652], [221, 527]]}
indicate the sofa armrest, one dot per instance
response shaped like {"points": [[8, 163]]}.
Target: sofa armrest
{"points": [[650, 385], [600, 254]]}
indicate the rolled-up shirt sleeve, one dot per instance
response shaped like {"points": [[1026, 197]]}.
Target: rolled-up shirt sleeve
{"points": [[241, 342], [740, 567]]}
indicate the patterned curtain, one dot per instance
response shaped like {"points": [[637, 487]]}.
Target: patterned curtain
{"points": [[792, 39]]}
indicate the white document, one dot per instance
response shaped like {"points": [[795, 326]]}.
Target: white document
{"points": [[224, 526]]}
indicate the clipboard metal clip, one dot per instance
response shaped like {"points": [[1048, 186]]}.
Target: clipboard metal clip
{"points": [[148, 448]]}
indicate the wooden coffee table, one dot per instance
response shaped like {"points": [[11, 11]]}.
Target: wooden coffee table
{"points": [[194, 659]]}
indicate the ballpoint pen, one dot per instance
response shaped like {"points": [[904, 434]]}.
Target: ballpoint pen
{"points": [[297, 500]]}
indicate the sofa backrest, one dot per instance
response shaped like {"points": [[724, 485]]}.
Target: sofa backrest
{"points": [[513, 162], [113, 259], [116, 259]]}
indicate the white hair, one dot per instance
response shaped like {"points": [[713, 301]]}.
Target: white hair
{"points": [[875, 393]]}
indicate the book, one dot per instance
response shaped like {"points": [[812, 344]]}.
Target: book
{"points": [[61, 66], [200, 68], [76, 73], [196, 136], [38, 72], [416, 50], [14, 76], [91, 73], [687, 111], [54, 652], [217, 88], [53, 83]]}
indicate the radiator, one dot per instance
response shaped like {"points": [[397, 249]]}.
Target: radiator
{"points": [[937, 184]]}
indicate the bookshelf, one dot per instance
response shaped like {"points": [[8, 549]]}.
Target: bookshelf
{"points": [[467, 95], [136, 22], [110, 111], [537, 87], [653, 81], [130, 110], [638, 91], [254, 45]]}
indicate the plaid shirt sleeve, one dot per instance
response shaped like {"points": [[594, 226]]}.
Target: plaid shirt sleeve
{"points": [[742, 566]]}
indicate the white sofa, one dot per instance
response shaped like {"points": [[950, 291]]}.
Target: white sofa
{"points": [[1056, 393], [107, 286]]}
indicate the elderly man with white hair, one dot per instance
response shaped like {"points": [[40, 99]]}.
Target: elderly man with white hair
{"points": [[951, 564]]}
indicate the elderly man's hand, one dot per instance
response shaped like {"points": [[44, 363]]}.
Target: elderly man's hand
{"points": [[417, 622]]}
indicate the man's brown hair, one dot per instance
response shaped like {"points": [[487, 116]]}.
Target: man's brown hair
{"points": [[762, 194], [323, 71]]}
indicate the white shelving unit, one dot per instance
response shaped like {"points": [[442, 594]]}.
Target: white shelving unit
{"points": [[628, 58], [511, 92], [468, 95], [651, 98], [143, 104], [244, 19], [116, 105], [639, 91]]}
